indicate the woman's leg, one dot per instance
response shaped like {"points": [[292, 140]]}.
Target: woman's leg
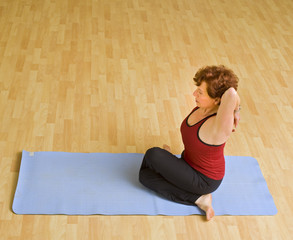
{"points": [[172, 177], [157, 183]]}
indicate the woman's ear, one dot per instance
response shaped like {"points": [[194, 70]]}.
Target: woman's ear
{"points": [[217, 101]]}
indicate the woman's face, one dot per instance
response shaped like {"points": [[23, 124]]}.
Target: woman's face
{"points": [[202, 97]]}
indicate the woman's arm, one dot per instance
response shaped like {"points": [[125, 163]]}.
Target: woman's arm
{"points": [[228, 114]]}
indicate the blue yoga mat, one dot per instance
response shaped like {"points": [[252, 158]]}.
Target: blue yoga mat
{"points": [[107, 183]]}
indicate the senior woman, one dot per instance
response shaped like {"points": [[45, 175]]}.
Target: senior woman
{"points": [[199, 171]]}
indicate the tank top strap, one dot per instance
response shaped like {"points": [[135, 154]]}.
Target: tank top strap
{"points": [[207, 117]]}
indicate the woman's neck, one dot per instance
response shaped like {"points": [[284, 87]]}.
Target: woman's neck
{"points": [[209, 110]]}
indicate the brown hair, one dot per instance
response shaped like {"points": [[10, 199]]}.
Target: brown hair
{"points": [[218, 79]]}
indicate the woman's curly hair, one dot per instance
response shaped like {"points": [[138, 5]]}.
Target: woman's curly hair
{"points": [[218, 79]]}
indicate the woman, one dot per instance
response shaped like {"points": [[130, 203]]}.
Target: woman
{"points": [[192, 178]]}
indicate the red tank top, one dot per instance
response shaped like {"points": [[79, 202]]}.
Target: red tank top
{"points": [[207, 159]]}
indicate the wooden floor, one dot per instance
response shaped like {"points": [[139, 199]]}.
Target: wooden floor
{"points": [[116, 76]]}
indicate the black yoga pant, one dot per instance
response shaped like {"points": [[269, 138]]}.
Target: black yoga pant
{"points": [[173, 178]]}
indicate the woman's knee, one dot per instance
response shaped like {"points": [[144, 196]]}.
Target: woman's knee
{"points": [[153, 153], [156, 159], [152, 158]]}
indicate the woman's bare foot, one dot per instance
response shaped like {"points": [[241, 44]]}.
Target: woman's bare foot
{"points": [[205, 204], [167, 147]]}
